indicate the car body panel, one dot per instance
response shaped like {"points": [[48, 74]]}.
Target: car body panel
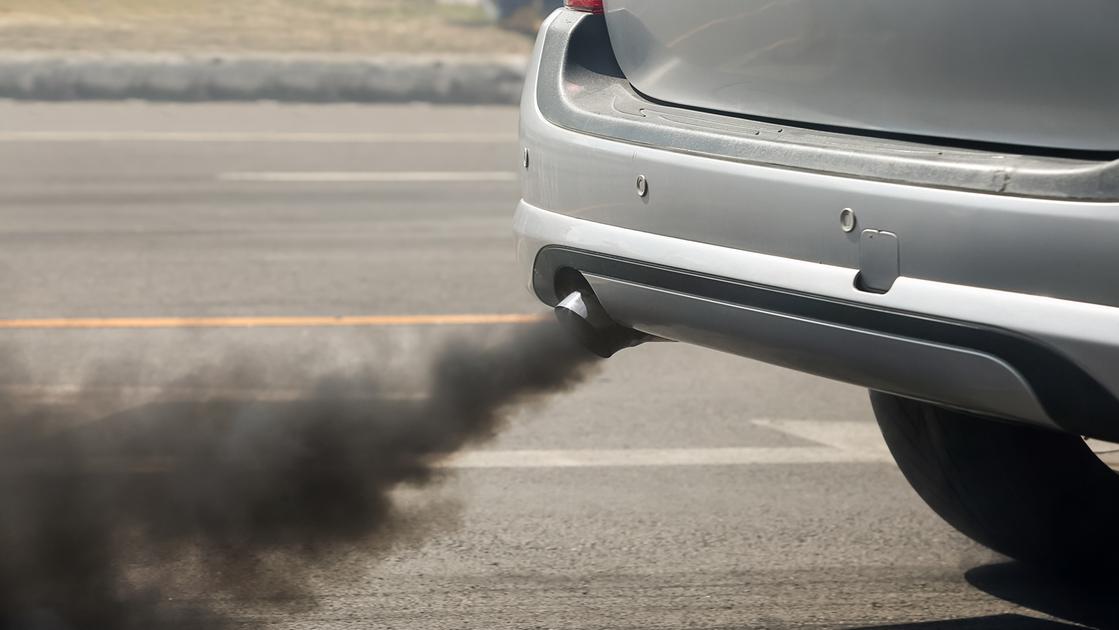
{"points": [[988, 264], [1022, 72], [944, 235]]}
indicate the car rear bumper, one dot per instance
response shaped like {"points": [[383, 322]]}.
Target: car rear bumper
{"points": [[1003, 302]]}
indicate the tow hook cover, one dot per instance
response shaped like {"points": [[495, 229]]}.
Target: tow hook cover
{"points": [[879, 264]]}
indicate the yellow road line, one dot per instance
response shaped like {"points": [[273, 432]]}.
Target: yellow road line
{"points": [[270, 322]]}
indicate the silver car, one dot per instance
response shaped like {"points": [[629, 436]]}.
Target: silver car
{"points": [[919, 197]]}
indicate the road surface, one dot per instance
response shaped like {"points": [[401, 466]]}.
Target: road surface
{"points": [[680, 488]]}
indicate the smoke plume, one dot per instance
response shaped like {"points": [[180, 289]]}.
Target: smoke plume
{"points": [[121, 523]]}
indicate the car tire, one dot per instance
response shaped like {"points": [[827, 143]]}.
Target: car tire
{"points": [[1036, 495]]}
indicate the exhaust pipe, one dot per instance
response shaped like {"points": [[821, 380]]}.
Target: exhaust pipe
{"points": [[582, 315]]}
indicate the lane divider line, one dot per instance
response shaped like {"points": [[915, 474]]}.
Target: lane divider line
{"points": [[861, 449], [644, 457], [834, 442], [270, 322], [863, 438], [540, 459], [63, 392]]}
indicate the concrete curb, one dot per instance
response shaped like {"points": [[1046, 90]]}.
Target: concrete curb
{"points": [[296, 78]]}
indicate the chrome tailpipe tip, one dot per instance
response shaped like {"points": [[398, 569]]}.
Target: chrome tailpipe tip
{"points": [[582, 315]]}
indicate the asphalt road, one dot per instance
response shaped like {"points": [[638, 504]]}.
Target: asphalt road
{"points": [[678, 488]]}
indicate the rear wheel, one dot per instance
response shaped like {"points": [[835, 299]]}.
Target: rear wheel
{"points": [[1038, 496]]}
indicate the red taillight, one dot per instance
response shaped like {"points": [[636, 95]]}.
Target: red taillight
{"points": [[590, 6]]}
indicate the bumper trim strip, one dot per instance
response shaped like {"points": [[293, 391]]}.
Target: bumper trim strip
{"points": [[1069, 395]]}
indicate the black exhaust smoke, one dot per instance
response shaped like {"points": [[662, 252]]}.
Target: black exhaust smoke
{"points": [[114, 524]]}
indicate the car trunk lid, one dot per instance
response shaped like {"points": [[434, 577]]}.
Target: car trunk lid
{"points": [[1031, 73]]}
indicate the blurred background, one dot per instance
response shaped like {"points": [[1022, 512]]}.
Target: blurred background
{"points": [[345, 26]]}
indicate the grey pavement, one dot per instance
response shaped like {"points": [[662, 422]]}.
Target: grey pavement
{"points": [[126, 210]]}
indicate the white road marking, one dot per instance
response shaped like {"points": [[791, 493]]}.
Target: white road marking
{"points": [[836, 442], [617, 458], [1108, 452], [69, 393], [839, 443], [863, 438], [255, 136], [327, 177]]}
